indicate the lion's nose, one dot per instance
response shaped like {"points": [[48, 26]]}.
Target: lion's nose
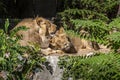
{"points": [[69, 48], [67, 45]]}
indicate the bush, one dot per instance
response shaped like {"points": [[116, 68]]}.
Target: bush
{"points": [[98, 67], [95, 18], [17, 62], [114, 37]]}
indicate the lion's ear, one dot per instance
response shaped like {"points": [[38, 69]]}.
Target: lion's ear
{"points": [[61, 30], [39, 20]]}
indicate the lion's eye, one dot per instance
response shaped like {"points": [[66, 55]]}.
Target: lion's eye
{"points": [[63, 37], [44, 23]]}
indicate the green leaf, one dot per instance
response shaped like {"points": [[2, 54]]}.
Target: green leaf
{"points": [[14, 31], [6, 25]]}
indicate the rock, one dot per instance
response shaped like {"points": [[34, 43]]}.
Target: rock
{"points": [[51, 70]]}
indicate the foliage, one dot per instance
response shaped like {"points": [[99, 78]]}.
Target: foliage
{"points": [[93, 20], [96, 30], [17, 62], [94, 17], [114, 37], [98, 67], [83, 13], [2, 6], [115, 23], [5, 8], [88, 9], [99, 31]]}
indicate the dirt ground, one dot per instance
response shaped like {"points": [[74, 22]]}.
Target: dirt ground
{"points": [[86, 52]]}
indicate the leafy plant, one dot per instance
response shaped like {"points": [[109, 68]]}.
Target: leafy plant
{"points": [[16, 61], [114, 37], [2, 6], [96, 30], [98, 67], [92, 20], [88, 9]]}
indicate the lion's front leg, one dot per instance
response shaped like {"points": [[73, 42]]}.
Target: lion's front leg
{"points": [[49, 51]]}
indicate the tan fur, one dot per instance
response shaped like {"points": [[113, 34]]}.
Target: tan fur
{"points": [[81, 43], [62, 42], [86, 44], [39, 30], [49, 51]]}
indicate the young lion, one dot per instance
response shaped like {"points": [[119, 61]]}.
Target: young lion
{"points": [[84, 44], [39, 31], [62, 42], [81, 43]]}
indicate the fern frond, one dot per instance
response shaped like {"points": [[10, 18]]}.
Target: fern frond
{"points": [[109, 4], [90, 3], [90, 23], [115, 23], [114, 40], [97, 29], [98, 67], [14, 31], [2, 7], [115, 37], [88, 14]]}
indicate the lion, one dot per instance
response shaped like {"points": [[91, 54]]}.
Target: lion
{"points": [[49, 51], [83, 44], [39, 31], [62, 42]]}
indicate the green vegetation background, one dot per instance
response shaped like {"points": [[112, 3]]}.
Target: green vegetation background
{"points": [[97, 17]]}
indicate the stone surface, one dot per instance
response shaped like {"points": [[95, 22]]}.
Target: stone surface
{"points": [[51, 71]]}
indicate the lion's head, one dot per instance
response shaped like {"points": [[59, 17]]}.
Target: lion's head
{"points": [[46, 27], [60, 41], [39, 29]]}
